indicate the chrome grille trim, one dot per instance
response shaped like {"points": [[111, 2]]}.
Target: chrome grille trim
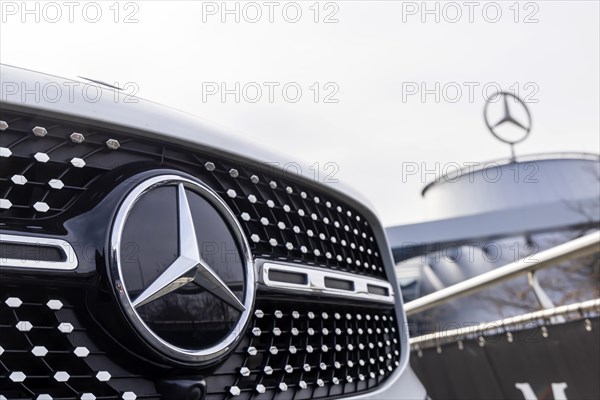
{"points": [[316, 282], [68, 264]]}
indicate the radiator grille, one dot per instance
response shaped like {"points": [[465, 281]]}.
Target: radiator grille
{"points": [[45, 165], [310, 351], [290, 351], [46, 353]]}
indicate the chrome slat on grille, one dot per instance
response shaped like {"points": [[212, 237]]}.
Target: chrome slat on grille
{"points": [[318, 281], [33, 253]]}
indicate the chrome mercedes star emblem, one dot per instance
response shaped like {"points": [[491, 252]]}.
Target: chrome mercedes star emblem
{"points": [[209, 318], [508, 117], [189, 266]]}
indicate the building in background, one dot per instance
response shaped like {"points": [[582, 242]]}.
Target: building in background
{"points": [[486, 217]]}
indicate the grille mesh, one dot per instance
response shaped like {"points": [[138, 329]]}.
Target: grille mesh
{"points": [[44, 171], [45, 350], [323, 351], [291, 351]]}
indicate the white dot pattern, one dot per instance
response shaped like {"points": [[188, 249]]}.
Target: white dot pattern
{"points": [[327, 349]]}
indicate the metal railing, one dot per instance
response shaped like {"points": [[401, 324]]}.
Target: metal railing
{"points": [[580, 247], [503, 324]]}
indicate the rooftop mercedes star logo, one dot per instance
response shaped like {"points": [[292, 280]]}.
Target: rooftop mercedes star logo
{"points": [[508, 117], [189, 267]]}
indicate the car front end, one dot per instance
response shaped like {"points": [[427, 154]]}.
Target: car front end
{"points": [[148, 255]]}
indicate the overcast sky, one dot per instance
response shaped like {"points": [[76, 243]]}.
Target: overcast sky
{"points": [[370, 62]]}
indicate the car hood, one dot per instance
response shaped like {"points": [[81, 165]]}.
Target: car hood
{"points": [[91, 101]]}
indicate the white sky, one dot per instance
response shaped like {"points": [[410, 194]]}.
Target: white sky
{"points": [[371, 54]]}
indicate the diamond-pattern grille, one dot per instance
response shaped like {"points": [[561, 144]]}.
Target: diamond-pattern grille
{"points": [[47, 353], [283, 217], [290, 351], [310, 351]]}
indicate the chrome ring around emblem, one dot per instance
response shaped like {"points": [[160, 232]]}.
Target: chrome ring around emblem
{"points": [[189, 258]]}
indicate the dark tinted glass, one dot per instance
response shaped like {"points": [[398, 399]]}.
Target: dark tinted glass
{"points": [[190, 317], [150, 240]]}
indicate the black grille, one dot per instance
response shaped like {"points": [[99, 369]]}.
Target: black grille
{"points": [[46, 350], [310, 351], [282, 216], [290, 351]]}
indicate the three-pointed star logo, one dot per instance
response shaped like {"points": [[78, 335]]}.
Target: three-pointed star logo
{"points": [[508, 116], [189, 267]]}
